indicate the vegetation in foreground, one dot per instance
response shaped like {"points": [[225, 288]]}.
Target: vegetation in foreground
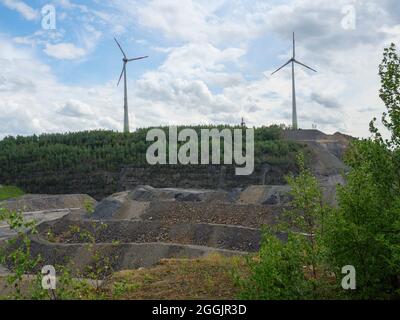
{"points": [[211, 277], [208, 278]]}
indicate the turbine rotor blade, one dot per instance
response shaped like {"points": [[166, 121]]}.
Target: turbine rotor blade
{"points": [[120, 47], [294, 47], [302, 64], [282, 67], [122, 73], [139, 58]]}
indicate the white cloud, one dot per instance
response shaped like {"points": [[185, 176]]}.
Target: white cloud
{"points": [[67, 4], [76, 108], [198, 21], [204, 75], [64, 51], [21, 7]]}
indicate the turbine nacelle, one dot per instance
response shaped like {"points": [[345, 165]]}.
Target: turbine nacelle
{"points": [[293, 60], [125, 60]]}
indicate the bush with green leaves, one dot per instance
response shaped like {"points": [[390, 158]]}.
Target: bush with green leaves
{"points": [[277, 271], [296, 268], [365, 231], [17, 251]]}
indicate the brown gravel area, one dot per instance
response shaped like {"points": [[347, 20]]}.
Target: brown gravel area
{"points": [[246, 215]]}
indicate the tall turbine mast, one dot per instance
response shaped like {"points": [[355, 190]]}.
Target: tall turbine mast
{"points": [[125, 61], [293, 61]]}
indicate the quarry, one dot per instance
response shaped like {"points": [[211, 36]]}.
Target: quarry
{"points": [[142, 225]]}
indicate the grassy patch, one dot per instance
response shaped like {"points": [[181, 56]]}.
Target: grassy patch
{"points": [[179, 279], [9, 192], [211, 277]]}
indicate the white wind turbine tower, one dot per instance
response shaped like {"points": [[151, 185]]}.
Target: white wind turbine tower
{"points": [[125, 61], [293, 61]]}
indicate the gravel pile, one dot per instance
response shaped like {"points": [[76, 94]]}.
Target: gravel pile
{"points": [[247, 215]]}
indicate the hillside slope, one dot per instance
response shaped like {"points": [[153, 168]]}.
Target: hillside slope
{"points": [[100, 163]]}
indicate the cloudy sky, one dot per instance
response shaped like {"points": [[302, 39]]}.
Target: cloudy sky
{"points": [[210, 62]]}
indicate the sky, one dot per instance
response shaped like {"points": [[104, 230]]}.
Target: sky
{"points": [[210, 62]]}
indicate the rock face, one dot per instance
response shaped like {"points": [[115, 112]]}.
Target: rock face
{"points": [[102, 184], [327, 150], [326, 158]]}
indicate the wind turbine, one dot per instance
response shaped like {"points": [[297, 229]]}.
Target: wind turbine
{"points": [[293, 61], [123, 73]]}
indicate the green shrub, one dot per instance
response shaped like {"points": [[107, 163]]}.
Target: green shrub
{"points": [[296, 268], [365, 232], [277, 272], [17, 251]]}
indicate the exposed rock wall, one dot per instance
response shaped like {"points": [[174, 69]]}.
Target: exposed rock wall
{"points": [[101, 184], [200, 177]]}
